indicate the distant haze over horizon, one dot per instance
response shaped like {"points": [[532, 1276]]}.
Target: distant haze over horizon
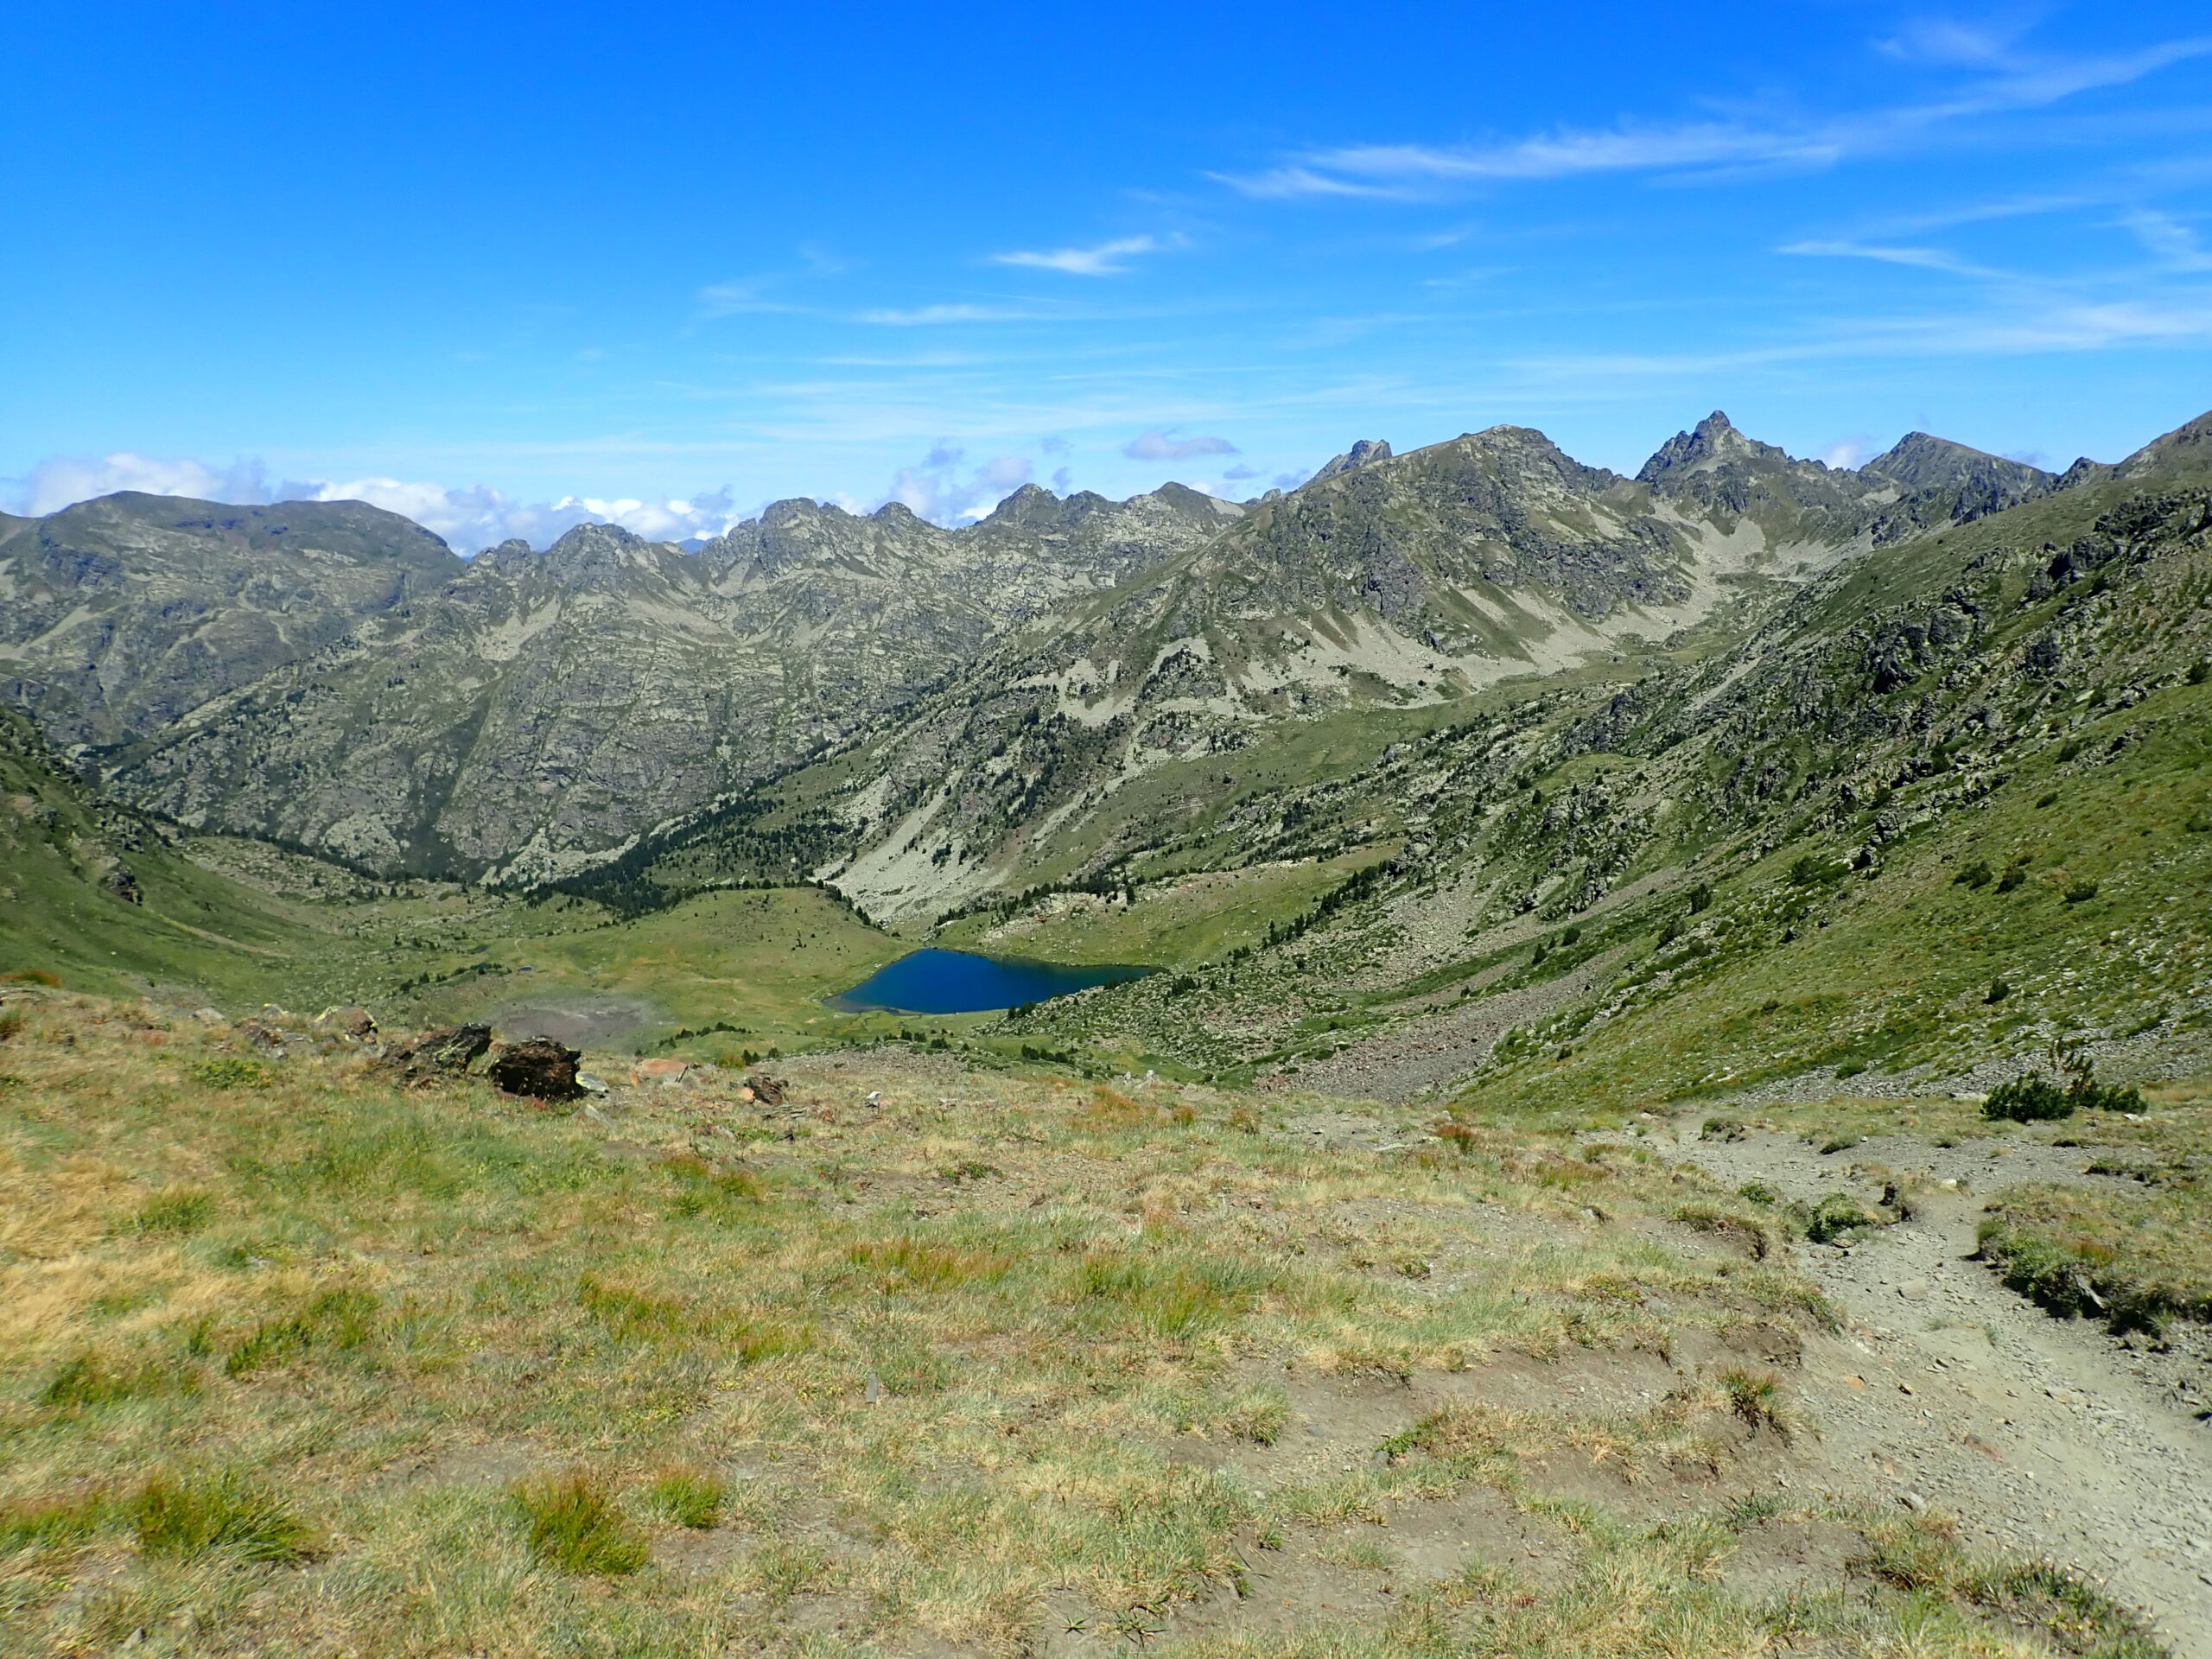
{"points": [[497, 270]]}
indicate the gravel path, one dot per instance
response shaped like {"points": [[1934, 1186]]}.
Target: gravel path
{"points": [[1438, 1048], [2043, 1435]]}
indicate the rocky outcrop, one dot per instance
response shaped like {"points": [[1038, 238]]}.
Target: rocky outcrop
{"points": [[1361, 452]]}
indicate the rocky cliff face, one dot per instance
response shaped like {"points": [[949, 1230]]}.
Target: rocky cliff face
{"points": [[538, 703], [119, 616]]}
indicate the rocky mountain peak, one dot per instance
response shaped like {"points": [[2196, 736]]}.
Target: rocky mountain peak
{"points": [[1033, 506], [1714, 442], [1195, 502], [600, 550], [1363, 453], [1920, 460]]}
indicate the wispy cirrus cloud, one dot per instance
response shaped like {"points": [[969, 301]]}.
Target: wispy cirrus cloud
{"points": [[1881, 253], [736, 299], [1104, 259], [926, 316], [1156, 445], [760, 293], [1415, 171], [2173, 244]]}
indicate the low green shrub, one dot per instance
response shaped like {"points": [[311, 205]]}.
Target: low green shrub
{"points": [[1838, 1216], [2030, 1098], [2033, 1098]]}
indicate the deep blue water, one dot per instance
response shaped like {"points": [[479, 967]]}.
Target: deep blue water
{"points": [[956, 982]]}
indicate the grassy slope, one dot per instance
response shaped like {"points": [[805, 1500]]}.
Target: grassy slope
{"points": [[194, 930], [287, 929], [759, 961], [1898, 970], [317, 1366]]}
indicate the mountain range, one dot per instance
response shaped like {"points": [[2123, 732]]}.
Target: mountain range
{"points": [[331, 677]]}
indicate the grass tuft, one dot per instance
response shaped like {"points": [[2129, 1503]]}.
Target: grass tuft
{"points": [[46, 1522], [691, 1497], [571, 1521], [177, 1210], [1756, 1398], [336, 1321], [89, 1380], [228, 1072], [196, 1514]]}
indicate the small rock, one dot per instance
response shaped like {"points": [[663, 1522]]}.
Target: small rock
{"points": [[592, 1083], [1912, 1500], [1913, 1289], [873, 1393], [874, 1097], [344, 1021], [769, 1091], [666, 1071], [210, 1016]]}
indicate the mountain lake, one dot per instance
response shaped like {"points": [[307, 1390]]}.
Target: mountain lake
{"points": [[958, 982]]}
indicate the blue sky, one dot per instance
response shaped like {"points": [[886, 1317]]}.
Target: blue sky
{"points": [[503, 267]]}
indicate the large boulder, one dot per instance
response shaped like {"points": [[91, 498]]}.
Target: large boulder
{"points": [[445, 1053], [540, 1069]]}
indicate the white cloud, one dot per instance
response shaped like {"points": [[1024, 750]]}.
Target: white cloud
{"points": [[468, 518], [1285, 183], [1106, 259], [1409, 170], [59, 480], [1156, 445], [935, 490]]}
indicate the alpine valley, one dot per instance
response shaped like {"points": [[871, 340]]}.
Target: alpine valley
{"points": [[1425, 754], [1670, 1113]]}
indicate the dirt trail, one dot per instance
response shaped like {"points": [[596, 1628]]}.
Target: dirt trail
{"points": [[1425, 1054], [2040, 1434]]}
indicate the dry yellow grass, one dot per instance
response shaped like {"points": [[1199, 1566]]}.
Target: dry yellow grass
{"points": [[1000, 1365]]}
